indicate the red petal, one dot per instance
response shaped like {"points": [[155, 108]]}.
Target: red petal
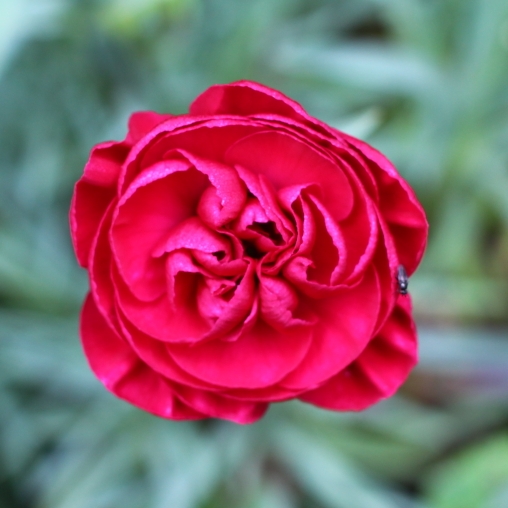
{"points": [[142, 122], [219, 406], [399, 206], [159, 318], [279, 304], [232, 313], [259, 358], [378, 372], [202, 136], [159, 199], [345, 326], [243, 98], [101, 283], [93, 193], [123, 373], [286, 161], [156, 355]]}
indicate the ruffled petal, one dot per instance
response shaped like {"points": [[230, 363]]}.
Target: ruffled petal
{"points": [[101, 283], [398, 205], [93, 193], [279, 305], [204, 137], [218, 405], [159, 199], [162, 318]]}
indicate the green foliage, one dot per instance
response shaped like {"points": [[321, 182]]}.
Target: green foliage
{"points": [[425, 81], [477, 477]]}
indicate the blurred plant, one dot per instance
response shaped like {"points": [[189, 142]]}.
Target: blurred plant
{"points": [[425, 81]]}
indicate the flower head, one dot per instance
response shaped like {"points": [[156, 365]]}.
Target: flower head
{"points": [[243, 254]]}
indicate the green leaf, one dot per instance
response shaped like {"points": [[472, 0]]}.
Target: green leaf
{"points": [[473, 478]]}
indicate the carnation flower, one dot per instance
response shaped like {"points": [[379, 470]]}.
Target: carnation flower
{"points": [[243, 254]]}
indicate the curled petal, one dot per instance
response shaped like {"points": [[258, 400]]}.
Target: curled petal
{"points": [[162, 318], [279, 304], [228, 313], [158, 200], [379, 370], [256, 227], [260, 187], [361, 229], [225, 198], [101, 283], [329, 249], [192, 234], [105, 163], [292, 202], [398, 205]]}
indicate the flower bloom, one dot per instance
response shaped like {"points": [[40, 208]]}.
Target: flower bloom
{"points": [[243, 254]]}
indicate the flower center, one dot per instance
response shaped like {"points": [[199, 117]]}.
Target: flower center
{"points": [[251, 250], [268, 229], [259, 238]]}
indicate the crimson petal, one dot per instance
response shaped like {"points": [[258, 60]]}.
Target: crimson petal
{"points": [[123, 373], [346, 321], [287, 161], [258, 358], [378, 372], [93, 193]]}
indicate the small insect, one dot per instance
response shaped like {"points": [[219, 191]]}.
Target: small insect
{"points": [[402, 280]]}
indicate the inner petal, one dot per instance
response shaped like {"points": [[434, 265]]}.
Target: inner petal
{"points": [[159, 199], [258, 233], [171, 317], [285, 160]]}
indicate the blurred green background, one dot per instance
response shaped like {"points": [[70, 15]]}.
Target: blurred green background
{"points": [[425, 81]]}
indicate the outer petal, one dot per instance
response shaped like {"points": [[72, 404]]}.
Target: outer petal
{"points": [[220, 406], [379, 370], [398, 205], [93, 193], [123, 373], [244, 98], [202, 136], [202, 397], [142, 122], [97, 187], [101, 283]]}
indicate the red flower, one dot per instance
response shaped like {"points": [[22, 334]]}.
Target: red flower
{"points": [[243, 254]]}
